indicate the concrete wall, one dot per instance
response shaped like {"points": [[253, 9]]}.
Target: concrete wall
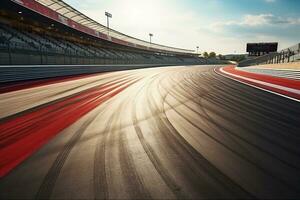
{"points": [[21, 73]]}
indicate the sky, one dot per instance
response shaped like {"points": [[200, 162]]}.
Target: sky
{"points": [[223, 26]]}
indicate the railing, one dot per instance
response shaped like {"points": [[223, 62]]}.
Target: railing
{"points": [[290, 54]]}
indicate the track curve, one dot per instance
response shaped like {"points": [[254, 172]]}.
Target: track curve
{"points": [[165, 133]]}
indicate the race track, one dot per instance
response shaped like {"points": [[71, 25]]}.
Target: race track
{"points": [[157, 133]]}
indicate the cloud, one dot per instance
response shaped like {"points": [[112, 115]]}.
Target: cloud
{"points": [[170, 23], [257, 21], [267, 19], [259, 28], [175, 23]]}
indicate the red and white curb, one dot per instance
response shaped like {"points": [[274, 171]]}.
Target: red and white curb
{"points": [[280, 86]]}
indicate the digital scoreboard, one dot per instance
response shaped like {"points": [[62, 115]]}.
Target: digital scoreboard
{"points": [[258, 49]]}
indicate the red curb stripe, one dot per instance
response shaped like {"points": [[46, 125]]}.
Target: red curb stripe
{"points": [[21, 85], [24, 122], [292, 84], [26, 134]]}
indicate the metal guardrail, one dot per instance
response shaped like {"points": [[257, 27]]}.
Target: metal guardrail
{"points": [[290, 54]]}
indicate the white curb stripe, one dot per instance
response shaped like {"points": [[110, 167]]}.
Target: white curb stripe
{"points": [[228, 75]]}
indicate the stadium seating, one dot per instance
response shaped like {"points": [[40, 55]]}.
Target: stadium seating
{"points": [[23, 42]]}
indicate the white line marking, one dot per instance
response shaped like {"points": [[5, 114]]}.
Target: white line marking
{"points": [[295, 91], [254, 86], [277, 69], [273, 72]]}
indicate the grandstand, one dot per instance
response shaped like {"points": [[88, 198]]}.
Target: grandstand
{"points": [[35, 32]]}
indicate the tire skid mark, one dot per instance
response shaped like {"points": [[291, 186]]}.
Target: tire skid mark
{"points": [[260, 118], [28, 84], [33, 109], [202, 163], [156, 161], [154, 158], [270, 139], [177, 94], [232, 150], [262, 137], [12, 128], [119, 79], [192, 98], [202, 107], [243, 94], [246, 101], [112, 133], [21, 85], [49, 125], [259, 111], [100, 180], [49, 181], [137, 189], [225, 98], [175, 142], [212, 124], [206, 95], [235, 135], [18, 129]]}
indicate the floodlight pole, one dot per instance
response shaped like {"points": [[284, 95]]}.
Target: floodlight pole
{"points": [[108, 15], [197, 49], [107, 24], [150, 35]]}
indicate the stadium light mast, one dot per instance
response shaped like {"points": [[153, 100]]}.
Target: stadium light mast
{"points": [[197, 49], [150, 35], [108, 15]]}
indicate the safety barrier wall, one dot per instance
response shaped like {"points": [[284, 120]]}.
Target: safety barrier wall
{"points": [[14, 73], [25, 57]]}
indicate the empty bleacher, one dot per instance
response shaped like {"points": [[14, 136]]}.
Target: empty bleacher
{"points": [[20, 46]]}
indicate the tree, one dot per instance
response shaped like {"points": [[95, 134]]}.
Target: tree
{"points": [[212, 55], [221, 57], [205, 54], [238, 58]]}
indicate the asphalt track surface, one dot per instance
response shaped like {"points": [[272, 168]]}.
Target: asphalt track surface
{"points": [[161, 133]]}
